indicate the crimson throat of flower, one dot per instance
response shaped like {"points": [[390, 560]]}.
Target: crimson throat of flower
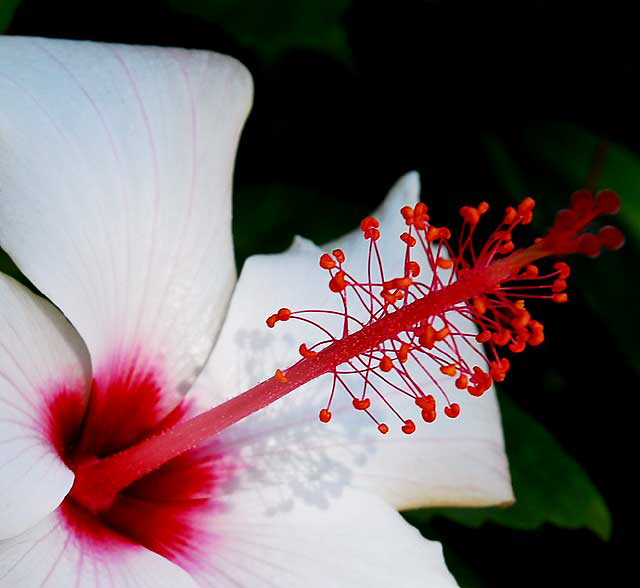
{"points": [[402, 324]]}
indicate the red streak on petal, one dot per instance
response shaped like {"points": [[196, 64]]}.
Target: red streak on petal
{"points": [[165, 511]]}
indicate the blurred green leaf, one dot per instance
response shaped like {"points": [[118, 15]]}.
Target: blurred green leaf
{"points": [[551, 162], [271, 28], [7, 10], [550, 486]]}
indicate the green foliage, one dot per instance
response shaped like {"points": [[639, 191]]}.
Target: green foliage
{"points": [[7, 10], [271, 28], [550, 486]]}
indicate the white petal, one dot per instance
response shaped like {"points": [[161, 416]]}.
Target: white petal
{"points": [[115, 167], [356, 541], [42, 359], [49, 555], [449, 462]]}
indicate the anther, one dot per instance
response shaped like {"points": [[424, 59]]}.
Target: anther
{"points": [[326, 262], [280, 376], [361, 403], [561, 297], [408, 427], [339, 255], [338, 283], [409, 240], [306, 352], [386, 365], [449, 370], [325, 415], [383, 428], [453, 410]]}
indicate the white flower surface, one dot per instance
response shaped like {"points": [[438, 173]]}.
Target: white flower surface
{"points": [[115, 200]]}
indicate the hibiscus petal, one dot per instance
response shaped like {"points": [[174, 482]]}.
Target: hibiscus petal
{"points": [[49, 555], [116, 167], [448, 462], [355, 540], [43, 364]]}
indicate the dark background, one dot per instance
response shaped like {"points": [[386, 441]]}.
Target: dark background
{"points": [[455, 90]]}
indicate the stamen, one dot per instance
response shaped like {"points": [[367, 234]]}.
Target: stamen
{"points": [[394, 328]]}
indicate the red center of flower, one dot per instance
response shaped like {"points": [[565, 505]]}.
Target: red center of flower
{"points": [[163, 510]]}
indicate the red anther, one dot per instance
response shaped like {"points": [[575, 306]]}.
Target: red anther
{"points": [[470, 215], [361, 403], [420, 216], [589, 245], [502, 337], [611, 237], [339, 255], [525, 210], [325, 415], [404, 282], [480, 305], [326, 262], [559, 285], [272, 320], [403, 352], [531, 271], [399, 295], [426, 402], [408, 239], [561, 297], [338, 283], [408, 427], [369, 222], [445, 263], [280, 376], [453, 410], [498, 369], [449, 370], [383, 428], [582, 201], [519, 345], [413, 268], [373, 234], [420, 209], [386, 365], [537, 333], [428, 415], [483, 207], [563, 269], [505, 248], [443, 333], [462, 382], [509, 215], [388, 297], [608, 202], [407, 214], [566, 218], [284, 314], [428, 336], [484, 336], [527, 205], [444, 233], [481, 382], [522, 320], [306, 352]]}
